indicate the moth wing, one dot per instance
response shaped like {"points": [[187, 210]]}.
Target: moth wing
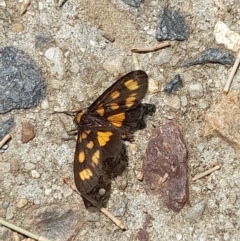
{"points": [[92, 147]]}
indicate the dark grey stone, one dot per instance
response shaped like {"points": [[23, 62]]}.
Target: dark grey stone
{"points": [[171, 26], [212, 56], [133, 3], [6, 126], [22, 84], [174, 84]]}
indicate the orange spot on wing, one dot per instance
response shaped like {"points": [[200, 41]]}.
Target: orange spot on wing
{"points": [[81, 156], [130, 101], [117, 119], [85, 174], [103, 137], [115, 94], [85, 134], [90, 145], [114, 106], [100, 110], [131, 84], [95, 158]]}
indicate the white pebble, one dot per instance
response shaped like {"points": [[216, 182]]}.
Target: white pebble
{"points": [[44, 104], [48, 191], [35, 174]]}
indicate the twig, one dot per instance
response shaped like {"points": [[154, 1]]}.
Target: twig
{"points": [[198, 176], [230, 78], [150, 49], [5, 139], [163, 179], [95, 203], [22, 231]]}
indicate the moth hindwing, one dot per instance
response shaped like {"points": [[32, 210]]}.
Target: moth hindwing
{"points": [[103, 125]]}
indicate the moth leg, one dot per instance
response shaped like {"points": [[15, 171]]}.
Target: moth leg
{"points": [[70, 113], [72, 132]]}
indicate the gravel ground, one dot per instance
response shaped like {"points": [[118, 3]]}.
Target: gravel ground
{"points": [[71, 45]]}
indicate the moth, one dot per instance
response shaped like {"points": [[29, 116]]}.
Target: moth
{"points": [[113, 116]]}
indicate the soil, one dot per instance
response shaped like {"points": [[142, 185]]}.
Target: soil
{"points": [[79, 30]]}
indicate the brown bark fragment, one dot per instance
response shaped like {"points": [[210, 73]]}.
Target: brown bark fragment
{"points": [[166, 155]]}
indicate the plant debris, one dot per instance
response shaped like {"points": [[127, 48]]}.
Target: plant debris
{"points": [[230, 78], [151, 48]]}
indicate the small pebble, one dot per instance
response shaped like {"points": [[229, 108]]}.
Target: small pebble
{"points": [[40, 6], [153, 85], [35, 174], [22, 203], [2, 4], [133, 147], [179, 236], [10, 213], [140, 176], [44, 104], [196, 211], [210, 186], [4, 147], [237, 182], [48, 191], [56, 65], [28, 132]]}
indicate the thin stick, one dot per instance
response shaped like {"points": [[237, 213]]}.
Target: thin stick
{"points": [[95, 203], [162, 179], [230, 78], [198, 176], [22, 231], [150, 49], [5, 139], [165, 177]]}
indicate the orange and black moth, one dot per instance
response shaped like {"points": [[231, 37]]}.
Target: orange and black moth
{"points": [[113, 116]]}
